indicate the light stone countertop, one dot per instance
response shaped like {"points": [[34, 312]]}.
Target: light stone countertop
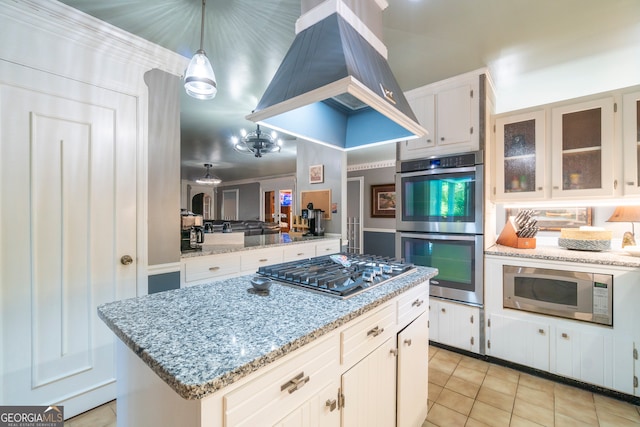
{"points": [[203, 338], [615, 257], [257, 242]]}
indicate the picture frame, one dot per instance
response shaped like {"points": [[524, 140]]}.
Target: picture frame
{"points": [[553, 219], [316, 174], [383, 201]]}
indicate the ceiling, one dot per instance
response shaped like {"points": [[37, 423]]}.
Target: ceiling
{"points": [[427, 41]]}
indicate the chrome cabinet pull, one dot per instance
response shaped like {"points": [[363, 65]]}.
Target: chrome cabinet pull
{"points": [[417, 303], [565, 336], [444, 310], [263, 260], [375, 331], [394, 351], [295, 383], [541, 331], [331, 404], [408, 342], [214, 268]]}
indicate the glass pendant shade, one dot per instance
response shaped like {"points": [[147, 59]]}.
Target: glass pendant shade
{"points": [[199, 79]]}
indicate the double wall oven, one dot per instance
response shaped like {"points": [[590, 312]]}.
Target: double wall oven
{"points": [[439, 222]]}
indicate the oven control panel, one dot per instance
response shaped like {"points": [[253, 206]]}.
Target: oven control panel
{"points": [[454, 161]]}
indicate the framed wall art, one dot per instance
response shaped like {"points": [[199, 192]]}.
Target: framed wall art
{"points": [[383, 201], [556, 218], [316, 174]]}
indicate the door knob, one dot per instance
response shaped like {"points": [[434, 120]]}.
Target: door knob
{"points": [[126, 260]]}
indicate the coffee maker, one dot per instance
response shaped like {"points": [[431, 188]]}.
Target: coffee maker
{"points": [[192, 232], [315, 220]]}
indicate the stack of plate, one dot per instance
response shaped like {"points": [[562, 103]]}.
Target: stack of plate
{"points": [[585, 239]]}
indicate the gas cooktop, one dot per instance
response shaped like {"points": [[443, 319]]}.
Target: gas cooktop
{"points": [[340, 275]]}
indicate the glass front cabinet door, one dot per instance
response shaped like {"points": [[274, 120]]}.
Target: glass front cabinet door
{"points": [[520, 157], [631, 141], [582, 149]]}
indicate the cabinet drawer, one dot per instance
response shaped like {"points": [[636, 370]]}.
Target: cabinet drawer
{"points": [[250, 261], [299, 251], [328, 248], [210, 267], [363, 337], [273, 395], [412, 303]]}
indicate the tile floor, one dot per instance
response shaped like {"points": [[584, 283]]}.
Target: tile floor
{"points": [[464, 391], [468, 392]]}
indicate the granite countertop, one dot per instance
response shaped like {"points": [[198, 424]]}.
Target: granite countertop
{"points": [[615, 257], [203, 338], [257, 242]]}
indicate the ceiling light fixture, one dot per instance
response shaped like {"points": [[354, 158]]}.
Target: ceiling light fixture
{"points": [[208, 178], [199, 79], [257, 143]]}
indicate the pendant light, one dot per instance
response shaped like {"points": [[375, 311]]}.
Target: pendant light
{"points": [[199, 79], [208, 178]]}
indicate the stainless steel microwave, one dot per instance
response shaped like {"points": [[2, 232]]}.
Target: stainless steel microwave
{"points": [[571, 294]]}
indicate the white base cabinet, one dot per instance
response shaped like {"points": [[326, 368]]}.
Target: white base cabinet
{"points": [[456, 325], [371, 371], [595, 354]]}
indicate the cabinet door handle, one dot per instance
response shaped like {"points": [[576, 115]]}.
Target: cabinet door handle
{"points": [[565, 336], [295, 383], [263, 260], [331, 404], [300, 253], [443, 310], [408, 342], [541, 331], [394, 351], [375, 331], [631, 183], [214, 268], [615, 184], [417, 303], [442, 138]]}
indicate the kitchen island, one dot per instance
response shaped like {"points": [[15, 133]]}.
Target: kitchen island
{"points": [[219, 355]]}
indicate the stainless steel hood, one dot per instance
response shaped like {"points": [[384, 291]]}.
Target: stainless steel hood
{"points": [[333, 87]]}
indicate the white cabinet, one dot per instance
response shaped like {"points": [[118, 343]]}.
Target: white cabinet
{"points": [[251, 261], [517, 340], [590, 353], [582, 136], [631, 142], [452, 112], [457, 325], [413, 344], [210, 267], [520, 157], [327, 248], [299, 251], [369, 389], [319, 411]]}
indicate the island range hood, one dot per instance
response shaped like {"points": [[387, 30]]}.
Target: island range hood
{"points": [[335, 88]]}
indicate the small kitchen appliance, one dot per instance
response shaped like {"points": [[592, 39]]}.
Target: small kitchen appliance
{"points": [[315, 220], [191, 233]]}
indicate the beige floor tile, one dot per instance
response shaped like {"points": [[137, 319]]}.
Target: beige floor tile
{"points": [[468, 374], [537, 383], [434, 391], [565, 421], [475, 423], [542, 398], [445, 417], [503, 373], [437, 377], [496, 399], [456, 401], [463, 387], [607, 419], [443, 363], [517, 421], [102, 416], [475, 364], [489, 415], [578, 408], [568, 392], [500, 384], [533, 412], [113, 405], [428, 424], [616, 407]]}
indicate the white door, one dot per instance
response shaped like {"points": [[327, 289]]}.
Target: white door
{"points": [[68, 215]]}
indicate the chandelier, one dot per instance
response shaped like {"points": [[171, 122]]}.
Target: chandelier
{"points": [[208, 178], [257, 142]]}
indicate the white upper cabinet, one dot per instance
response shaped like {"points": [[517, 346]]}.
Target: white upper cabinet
{"points": [[582, 149], [631, 142], [520, 154], [452, 111]]}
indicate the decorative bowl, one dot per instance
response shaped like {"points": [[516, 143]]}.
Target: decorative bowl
{"points": [[261, 283], [584, 245]]}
